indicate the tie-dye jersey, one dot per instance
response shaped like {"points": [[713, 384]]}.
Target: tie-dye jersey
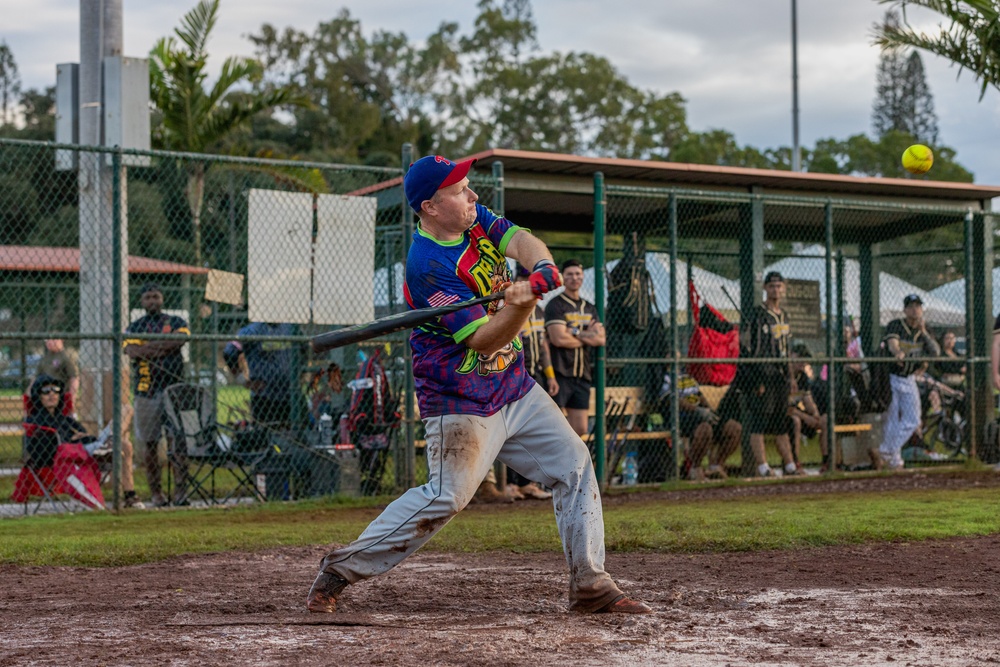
{"points": [[450, 377]]}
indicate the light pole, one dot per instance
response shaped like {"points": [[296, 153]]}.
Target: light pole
{"points": [[796, 151]]}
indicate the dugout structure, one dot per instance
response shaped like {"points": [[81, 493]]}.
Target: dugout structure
{"points": [[848, 237], [859, 244]]}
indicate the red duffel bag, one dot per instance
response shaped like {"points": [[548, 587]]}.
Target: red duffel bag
{"points": [[713, 337]]}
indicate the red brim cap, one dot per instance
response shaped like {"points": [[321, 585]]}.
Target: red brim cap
{"points": [[460, 171]]}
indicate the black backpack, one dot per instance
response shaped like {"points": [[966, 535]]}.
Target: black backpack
{"points": [[373, 413], [631, 299]]}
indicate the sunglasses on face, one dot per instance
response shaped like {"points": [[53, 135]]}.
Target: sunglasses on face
{"points": [[50, 390]]}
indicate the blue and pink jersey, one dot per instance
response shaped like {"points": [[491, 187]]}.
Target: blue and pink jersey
{"points": [[450, 377]]}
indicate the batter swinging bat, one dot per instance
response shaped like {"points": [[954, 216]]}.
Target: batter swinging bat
{"points": [[392, 323]]}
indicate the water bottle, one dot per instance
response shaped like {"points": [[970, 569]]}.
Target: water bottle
{"points": [[630, 469], [325, 430]]}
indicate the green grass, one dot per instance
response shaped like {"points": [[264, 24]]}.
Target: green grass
{"points": [[232, 404], [680, 526]]}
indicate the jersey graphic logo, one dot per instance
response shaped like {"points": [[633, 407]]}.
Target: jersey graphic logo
{"points": [[781, 330], [481, 266], [498, 362]]}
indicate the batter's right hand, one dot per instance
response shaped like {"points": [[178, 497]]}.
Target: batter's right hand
{"points": [[521, 295], [544, 278]]}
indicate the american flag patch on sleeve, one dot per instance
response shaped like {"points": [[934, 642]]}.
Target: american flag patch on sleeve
{"points": [[439, 299]]}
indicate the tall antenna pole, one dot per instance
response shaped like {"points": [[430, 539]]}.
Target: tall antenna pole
{"points": [[101, 35], [796, 151]]}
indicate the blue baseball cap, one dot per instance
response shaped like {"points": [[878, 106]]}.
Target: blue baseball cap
{"points": [[429, 174]]}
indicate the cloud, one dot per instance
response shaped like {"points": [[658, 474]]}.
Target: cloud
{"points": [[730, 59]]}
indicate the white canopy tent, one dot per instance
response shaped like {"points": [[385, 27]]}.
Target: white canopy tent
{"points": [[954, 292], [808, 264], [711, 286]]}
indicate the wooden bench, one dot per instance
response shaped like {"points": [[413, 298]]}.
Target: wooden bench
{"points": [[852, 447]]}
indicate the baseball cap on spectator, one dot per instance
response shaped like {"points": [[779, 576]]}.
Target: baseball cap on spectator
{"points": [[773, 277], [429, 174], [150, 287], [912, 298]]}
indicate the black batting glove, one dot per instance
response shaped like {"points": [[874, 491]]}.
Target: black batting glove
{"points": [[544, 278]]}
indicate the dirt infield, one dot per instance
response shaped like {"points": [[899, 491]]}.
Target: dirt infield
{"points": [[929, 603]]}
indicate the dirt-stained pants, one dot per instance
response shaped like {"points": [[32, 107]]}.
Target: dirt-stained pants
{"points": [[531, 436]]}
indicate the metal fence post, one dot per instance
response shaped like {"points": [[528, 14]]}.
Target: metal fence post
{"points": [[117, 391], [600, 354], [831, 374], [408, 417], [675, 432]]}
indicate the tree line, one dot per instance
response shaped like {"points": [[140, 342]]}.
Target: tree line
{"points": [[339, 93]]}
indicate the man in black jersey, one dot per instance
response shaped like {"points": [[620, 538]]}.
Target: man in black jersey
{"points": [[767, 334], [574, 331]]}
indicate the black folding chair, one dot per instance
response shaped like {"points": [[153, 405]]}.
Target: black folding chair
{"points": [[202, 446]]}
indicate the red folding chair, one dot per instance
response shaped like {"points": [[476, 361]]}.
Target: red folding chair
{"points": [[53, 469]]}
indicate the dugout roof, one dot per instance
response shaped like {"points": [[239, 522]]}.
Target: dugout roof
{"points": [[552, 191], [555, 191]]}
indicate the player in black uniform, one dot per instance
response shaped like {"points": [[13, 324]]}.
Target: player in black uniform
{"points": [[767, 335]]}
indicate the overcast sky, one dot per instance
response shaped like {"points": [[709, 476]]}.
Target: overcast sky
{"points": [[730, 59]]}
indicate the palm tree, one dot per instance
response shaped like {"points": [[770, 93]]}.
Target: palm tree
{"points": [[195, 119], [971, 41]]}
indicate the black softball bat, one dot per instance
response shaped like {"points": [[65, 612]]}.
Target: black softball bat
{"points": [[392, 323]]}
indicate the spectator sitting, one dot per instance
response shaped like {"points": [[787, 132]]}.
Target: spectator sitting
{"points": [[805, 417], [47, 396], [702, 426]]}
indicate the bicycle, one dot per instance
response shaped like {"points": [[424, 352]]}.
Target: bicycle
{"points": [[948, 428]]}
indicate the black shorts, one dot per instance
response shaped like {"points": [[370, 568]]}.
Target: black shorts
{"points": [[689, 423], [574, 393], [768, 412]]}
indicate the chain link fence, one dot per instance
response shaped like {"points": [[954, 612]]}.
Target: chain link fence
{"points": [[211, 273], [684, 275]]}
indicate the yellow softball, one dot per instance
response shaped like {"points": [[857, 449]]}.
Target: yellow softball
{"points": [[917, 159]]}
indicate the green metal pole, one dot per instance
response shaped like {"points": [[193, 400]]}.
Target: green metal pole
{"points": [[675, 431], [971, 344], [599, 369], [831, 417], [407, 225], [116, 317], [498, 203], [500, 470]]}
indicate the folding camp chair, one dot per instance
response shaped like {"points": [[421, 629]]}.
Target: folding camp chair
{"points": [[53, 469], [37, 477], [202, 443]]}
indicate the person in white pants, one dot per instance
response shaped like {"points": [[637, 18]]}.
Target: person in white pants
{"points": [[907, 340], [476, 399]]}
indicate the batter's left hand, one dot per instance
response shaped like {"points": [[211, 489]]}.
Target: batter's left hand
{"points": [[544, 278]]}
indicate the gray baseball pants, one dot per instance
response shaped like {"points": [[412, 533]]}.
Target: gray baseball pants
{"points": [[530, 435]]}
